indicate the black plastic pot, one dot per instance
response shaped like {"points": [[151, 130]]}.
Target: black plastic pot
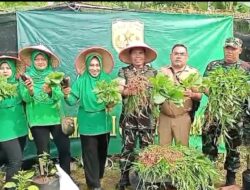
{"points": [[47, 183]]}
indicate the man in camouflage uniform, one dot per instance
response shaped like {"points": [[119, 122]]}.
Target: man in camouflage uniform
{"points": [[175, 121], [136, 125], [210, 134]]}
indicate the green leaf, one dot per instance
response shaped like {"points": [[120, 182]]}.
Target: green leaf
{"points": [[54, 78], [159, 99], [33, 187], [9, 185], [28, 175]]}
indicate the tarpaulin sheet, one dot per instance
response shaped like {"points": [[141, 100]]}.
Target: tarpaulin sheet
{"points": [[68, 32], [8, 34]]}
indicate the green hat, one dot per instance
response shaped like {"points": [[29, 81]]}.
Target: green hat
{"points": [[233, 42]]}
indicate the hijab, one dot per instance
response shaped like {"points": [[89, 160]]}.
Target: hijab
{"points": [[12, 64], [88, 84], [39, 75]]}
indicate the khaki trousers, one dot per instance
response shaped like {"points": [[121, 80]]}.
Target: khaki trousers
{"points": [[177, 128]]}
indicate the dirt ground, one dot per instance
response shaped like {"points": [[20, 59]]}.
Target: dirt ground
{"points": [[112, 172]]}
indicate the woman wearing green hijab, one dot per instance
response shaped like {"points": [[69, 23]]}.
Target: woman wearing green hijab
{"points": [[43, 103], [13, 123], [92, 64]]}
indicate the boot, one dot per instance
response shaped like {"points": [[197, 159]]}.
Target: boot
{"points": [[230, 178], [124, 181]]}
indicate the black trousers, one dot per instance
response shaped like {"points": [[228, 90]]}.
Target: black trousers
{"points": [[41, 135], [13, 155], [94, 153]]}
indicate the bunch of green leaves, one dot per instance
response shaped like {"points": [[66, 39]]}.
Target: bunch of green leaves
{"points": [[54, 78], [108, 92], [7, 90], [163, 88], [228, 91], [23, 181], [196, 127], [193, 80], [185, 168]]}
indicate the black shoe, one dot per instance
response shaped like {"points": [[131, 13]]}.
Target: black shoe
{"points": [[120, 186], [230, 178]]}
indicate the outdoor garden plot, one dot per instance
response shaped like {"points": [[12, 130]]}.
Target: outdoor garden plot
{"points": [[112, 174]]}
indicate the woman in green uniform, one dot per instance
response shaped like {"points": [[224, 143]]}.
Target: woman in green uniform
{"points": [[13, 123], [43, 103], [94, 123]]}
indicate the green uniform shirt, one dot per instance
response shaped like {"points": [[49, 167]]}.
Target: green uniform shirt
{"points": [[13, 123], [41, 109], [90, 123]]}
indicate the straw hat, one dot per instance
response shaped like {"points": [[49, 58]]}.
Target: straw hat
{"points": [[108, 62], [25, 55], [150, 54], [20, 68]]}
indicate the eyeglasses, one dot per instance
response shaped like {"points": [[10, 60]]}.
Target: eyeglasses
{"points": [[180, 54], [41, 59]]}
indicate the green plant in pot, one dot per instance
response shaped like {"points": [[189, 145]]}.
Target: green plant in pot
{"points": [[46, 177], [22, 181], [180, 167]]}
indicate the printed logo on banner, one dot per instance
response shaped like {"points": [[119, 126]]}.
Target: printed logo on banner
{"points": [[126, 31]]}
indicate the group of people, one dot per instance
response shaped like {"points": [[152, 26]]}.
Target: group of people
{"points": [[36, 107]]}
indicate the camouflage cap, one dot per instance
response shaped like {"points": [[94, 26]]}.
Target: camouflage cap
{"points": [[233, 42]]}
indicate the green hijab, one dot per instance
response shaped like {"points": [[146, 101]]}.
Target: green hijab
{"points": [[88, 83], [39, 75], [12, 65]]}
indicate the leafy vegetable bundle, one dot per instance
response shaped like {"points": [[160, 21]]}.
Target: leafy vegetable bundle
{"points": [[185, 168], [163, 88], [54, 78], [108, 93], [228, 91], [7, 90], [193, 81], [135, 104]]}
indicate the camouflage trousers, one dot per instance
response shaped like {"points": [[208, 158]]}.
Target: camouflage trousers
{"points": [[246, 132], [210, 137], [130, 137]]}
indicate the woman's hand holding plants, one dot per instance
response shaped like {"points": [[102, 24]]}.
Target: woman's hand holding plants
{"points": [[29, 84], [47, 88], [66, 91]]}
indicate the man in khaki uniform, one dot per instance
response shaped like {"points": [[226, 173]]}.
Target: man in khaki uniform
{"points": [[175, 122]]}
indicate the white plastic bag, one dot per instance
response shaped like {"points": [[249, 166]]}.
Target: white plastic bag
{"points": [[66, 182]]}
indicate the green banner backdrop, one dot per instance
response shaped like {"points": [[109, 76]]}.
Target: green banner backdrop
{"points": [[67, 33]]}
